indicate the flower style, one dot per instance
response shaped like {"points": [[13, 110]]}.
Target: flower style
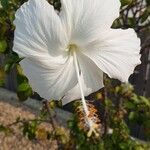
{"points": [[66, 53]]}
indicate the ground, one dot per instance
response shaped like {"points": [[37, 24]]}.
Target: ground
{"points": [[9, 111]]}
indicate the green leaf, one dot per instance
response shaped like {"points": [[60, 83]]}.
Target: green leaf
{"points": [[4, 3], [2, 83], [130, 105], [147, 124], [23, 90], [23, 87], [131, 22], [3, 46], [133, 116], [24, 95], [2, 77], [125, 2], [21, 78], [145, 101], [7, 68], [145, 16], [4, 129], [148, 2], [108, 102], [11, 62], [29, 129]]}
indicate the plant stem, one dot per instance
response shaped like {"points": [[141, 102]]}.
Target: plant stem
{"points": [[46, 103], [106, 113], [53, 123]]}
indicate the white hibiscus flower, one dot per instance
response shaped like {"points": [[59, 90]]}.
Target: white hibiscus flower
{"points": [[67, 53]]}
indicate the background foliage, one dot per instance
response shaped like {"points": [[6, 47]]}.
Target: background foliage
{"points": [[122, 107]]}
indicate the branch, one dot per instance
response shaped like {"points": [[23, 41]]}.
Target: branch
{"points": [[106, 113]]}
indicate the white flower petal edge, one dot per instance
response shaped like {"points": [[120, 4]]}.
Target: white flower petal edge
{"points": [[91, 78], [39, 27], [85, 19], [40, 37], [116, 53], [50, 83]]}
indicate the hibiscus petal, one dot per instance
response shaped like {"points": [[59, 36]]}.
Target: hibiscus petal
{"points": [[50, 83], [41, 39], [91, 78], [38, 30], [86, 18], [116, 53]]}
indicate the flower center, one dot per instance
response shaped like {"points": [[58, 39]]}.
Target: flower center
{"points": [[72, 47]]}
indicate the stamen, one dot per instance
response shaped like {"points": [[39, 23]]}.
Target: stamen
{"points": [[79, 82], [89, 121]]}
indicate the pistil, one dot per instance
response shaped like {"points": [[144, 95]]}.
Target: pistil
{"points": [[89, 121]]}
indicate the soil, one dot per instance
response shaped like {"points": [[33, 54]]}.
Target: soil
{"points": [[9, 111]]}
